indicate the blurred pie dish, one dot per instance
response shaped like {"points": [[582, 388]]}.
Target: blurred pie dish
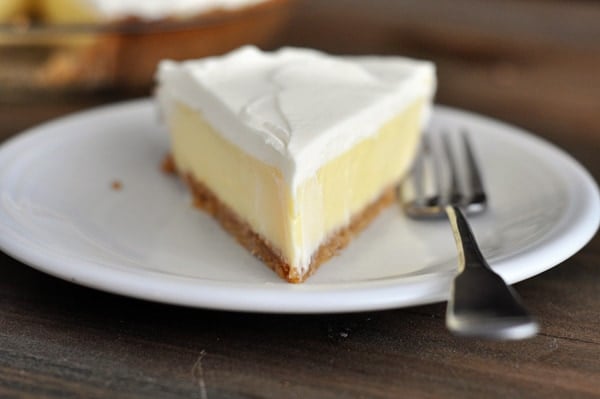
{"points": [[88, 44], [294, 152]]}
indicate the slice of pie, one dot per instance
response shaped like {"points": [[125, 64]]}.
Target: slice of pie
{"points": [[294, 152]]}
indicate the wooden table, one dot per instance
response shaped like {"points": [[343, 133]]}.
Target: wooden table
{"points": [[534, 64]]}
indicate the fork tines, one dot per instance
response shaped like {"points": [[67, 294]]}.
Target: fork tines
{"points": [[444, 173]]}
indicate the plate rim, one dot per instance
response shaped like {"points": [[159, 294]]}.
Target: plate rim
{"points": [[389, 293]]}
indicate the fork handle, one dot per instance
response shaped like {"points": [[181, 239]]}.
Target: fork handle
{"points": [[469, 254]]}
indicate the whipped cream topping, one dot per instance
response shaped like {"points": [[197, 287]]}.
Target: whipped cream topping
{"points": [[156, 9], [295, 109]]}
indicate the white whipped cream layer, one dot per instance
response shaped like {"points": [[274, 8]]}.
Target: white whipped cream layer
{"points": [[156, 9], [295, 109]]}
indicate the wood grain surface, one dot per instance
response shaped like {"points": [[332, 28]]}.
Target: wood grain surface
{"points": [[532, 63]]}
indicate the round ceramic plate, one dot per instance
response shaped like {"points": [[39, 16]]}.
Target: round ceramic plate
{"points": [[60, 214]]}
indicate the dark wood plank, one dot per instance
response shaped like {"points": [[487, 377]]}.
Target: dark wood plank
{"points": [[62, 340]]}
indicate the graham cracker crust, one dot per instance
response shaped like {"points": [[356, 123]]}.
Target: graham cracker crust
{"points": [[204, 199]]}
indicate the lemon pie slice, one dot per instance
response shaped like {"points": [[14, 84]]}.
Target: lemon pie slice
{"points": [[294, 152]]}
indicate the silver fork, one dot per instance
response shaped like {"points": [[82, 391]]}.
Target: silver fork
{"points": [[481, 304]]}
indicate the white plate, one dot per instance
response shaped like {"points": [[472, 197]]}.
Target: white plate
{"points": [[60, 215]]}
